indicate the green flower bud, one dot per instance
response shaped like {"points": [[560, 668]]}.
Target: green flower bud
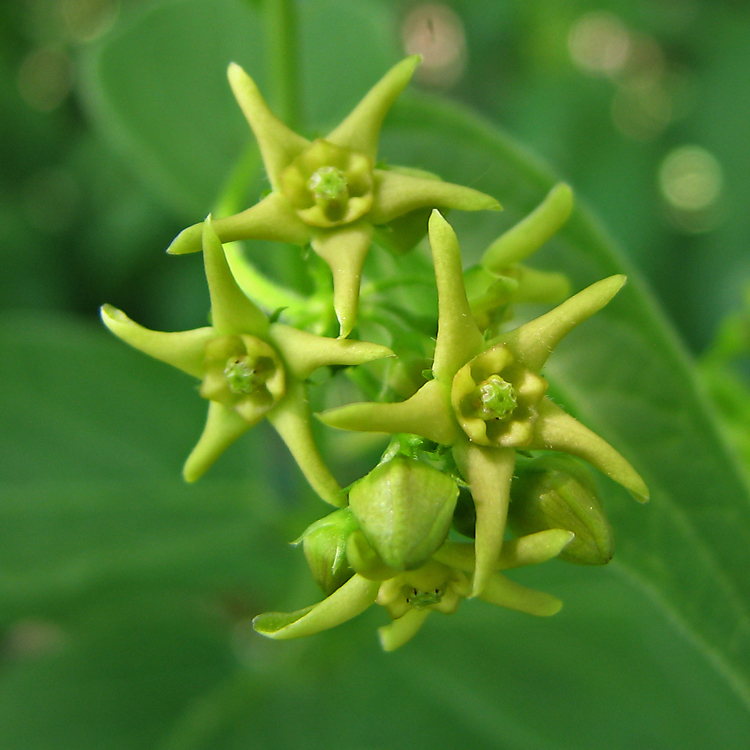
{"points": [[324, 543], [557, 492], [404, 507], [365, 560]]}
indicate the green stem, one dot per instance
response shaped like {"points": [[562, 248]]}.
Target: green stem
{"points": [[281, 41]]}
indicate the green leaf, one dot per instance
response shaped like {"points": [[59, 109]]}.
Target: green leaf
{"points": [[126, 669], [116, 679], [625, 375], [90, 494]]}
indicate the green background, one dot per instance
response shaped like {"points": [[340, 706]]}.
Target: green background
{"points": [[126, 596]]}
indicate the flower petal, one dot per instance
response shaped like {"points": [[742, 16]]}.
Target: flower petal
{"points": [[531, 549], [223, 427], [558, 431], [304, 352], [489, 472], [534, 341], [344, 249], [361, 128], [279, 145], [348, 601], [400, 631], [231, 311], [271, 219], [458, 338], [426, 413], [506, 593], [291, 419], [397, 194], [184, 350], [526, 237]]}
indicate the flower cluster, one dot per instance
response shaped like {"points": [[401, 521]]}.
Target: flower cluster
{"points": [[427, 526]]}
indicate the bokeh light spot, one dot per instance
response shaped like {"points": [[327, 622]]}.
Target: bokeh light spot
{"points": [[45, 77], [435, 32], [690, 178], [642, 107], [87, 20], [599, 43]]}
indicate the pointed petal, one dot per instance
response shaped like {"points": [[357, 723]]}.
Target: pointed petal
{"points": [[533, 342], [271, 219], [458, 338], [291, 418], [506, 593], [361, 128], [304, 352], [345, 250], [223, 427], [184, 350], [426, 413], [279, 145], [531, 549], [530, 233], [400, 631], [397, 194], [534, 549], [231, 311], [489, 472], [353, 598], [558, 431]]}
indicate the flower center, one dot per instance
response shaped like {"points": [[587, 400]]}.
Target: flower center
{"points": [[423, 599], [329, 185], [246, 375], [496, 398]]}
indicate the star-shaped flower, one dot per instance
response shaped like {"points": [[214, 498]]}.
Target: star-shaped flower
{"points": [[439, 586], [329, 192], [487, 399], [250, 368]]}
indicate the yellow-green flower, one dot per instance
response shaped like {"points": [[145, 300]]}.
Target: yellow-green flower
{"points": [[488, 399], [249, 369], [329, 192], [437, 586]]}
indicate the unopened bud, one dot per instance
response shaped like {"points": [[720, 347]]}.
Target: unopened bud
{"points": [[404, 507], [557, 492], [365, 560], [324, 543]]}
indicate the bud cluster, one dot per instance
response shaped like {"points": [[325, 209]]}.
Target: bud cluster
{"points": [[483, 472]]}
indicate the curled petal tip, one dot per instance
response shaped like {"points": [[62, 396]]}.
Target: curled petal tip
{"points": [[107, 311], [187, 241], [234, 69], [642, 495]]}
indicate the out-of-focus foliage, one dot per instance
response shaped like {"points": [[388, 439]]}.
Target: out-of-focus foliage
{"points": [[125, 596]]}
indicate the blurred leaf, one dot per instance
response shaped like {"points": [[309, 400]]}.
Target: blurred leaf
{"points": [[627, 377], [116, 680], [157, 88], [91, 496]]}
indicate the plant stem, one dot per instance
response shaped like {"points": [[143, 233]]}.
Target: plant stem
{"points": [[281, 40]]}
